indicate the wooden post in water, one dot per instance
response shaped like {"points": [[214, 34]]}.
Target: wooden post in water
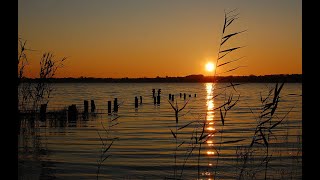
{"points": [[154, 100], [136, 102], [72, 113], [140, 99], [158, 99], [153, 92], [169, 96], [93, 106], [115, 105], [86, 106], [43, 110], [109, 107], [172, 98]]}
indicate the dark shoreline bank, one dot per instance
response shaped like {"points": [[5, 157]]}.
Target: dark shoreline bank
{"points": [[288, 78]]}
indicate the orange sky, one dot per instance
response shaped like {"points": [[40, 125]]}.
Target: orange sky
{"points": [[141, 38]]}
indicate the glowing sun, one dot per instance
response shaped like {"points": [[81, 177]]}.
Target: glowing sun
{"points": [[209, 67]]}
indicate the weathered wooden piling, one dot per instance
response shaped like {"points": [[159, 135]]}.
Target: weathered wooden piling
{"points": [[72, 113], [172, 98], [153, 92], [43, 110], [136, 102], [115, 105], [159, 92], [86, 106], [154, 100], [158, 99], [109, 107], [93, 106], [169, 96]]}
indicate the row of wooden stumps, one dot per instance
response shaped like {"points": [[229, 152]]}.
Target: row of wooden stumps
{"points": [[156, 99], [73, 112], [93, 106], [171, 96]]}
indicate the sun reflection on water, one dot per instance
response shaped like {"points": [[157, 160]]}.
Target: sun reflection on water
{"points": [[210, 126]]}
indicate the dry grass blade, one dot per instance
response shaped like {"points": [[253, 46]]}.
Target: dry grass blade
{"points": [[203, 136], [221, 106], [103, 127], [234, 16], [275, 96], [263, 122], [101, 139], [230, 61], [115, 118], [279, 90], [229, 23], [183, 106], [265, 114], [181, 143], [229, 142], [173, 134], [221, 115], [203, 127], [231, 49], [277, 123], [231, 106], [232, 69], [186, 125], [223, 56], [231, 11], [267, 107], [225, 22], [175, 109], [264, 138], [108, 147], [115, 124], [274, 107], [106, 158]]}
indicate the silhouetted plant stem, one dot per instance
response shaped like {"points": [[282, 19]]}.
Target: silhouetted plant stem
{"points": [[217, 159], [175, 152], [175, 134], [199, 151], [105, 146]]}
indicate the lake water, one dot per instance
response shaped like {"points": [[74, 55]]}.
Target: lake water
{"points": [[144, 147]]}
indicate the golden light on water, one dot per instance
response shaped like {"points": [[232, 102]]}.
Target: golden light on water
{"points": [[209, 117], [210, 128]]}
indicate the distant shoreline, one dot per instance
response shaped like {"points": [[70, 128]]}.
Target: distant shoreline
{"points": [[289, 78]]}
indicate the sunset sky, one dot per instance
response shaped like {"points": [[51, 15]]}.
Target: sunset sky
{"points": [[149, 38]]}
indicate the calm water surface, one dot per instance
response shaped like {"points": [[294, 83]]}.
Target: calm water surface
{"points": [[145, 146]]}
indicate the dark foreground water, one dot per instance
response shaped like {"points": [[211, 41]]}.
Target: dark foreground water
{"points": [[144, 146]]}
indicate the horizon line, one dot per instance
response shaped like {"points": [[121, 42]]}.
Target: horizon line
{"points": [[191, 75]]}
